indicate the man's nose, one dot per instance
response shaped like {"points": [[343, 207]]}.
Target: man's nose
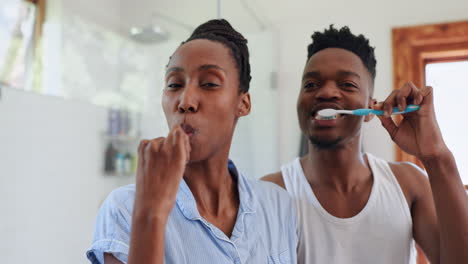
{"points": [[328, 91]]}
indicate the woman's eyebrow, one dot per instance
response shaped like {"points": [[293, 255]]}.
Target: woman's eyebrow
{"points": [[174, 69], [210, 66]]}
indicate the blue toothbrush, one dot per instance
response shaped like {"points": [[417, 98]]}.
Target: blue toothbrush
{"points": [[333, 113]]}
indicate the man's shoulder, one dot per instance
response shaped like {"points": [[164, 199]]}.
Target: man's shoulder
{"points": [[411, 178], [276, 178], [407, 171]]}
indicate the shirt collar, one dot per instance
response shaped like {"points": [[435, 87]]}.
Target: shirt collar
{"points": [[248, 201]]}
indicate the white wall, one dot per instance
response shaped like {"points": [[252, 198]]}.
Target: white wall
{"points": [[374, 19], [51, 182], [51, 178], [253, 147]]}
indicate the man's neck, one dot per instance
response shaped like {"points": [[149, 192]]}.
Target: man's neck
{"points": [[341, 168]]}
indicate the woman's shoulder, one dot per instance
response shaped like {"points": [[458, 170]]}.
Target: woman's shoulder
{"points": [[120, 199], [270, 195]]}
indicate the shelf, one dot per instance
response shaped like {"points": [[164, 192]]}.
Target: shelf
{"points": [[122, 138]]}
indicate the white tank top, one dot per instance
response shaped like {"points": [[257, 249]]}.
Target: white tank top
{"points": [[380, 233]]}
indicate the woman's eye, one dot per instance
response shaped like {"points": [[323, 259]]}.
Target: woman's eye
{"points": [[173, 86]]}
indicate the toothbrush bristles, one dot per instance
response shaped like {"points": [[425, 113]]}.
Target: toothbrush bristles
{"points": [[319, 117]]}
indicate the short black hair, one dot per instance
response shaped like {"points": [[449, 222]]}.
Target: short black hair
{"points": [[221, 31], [344, 39]]}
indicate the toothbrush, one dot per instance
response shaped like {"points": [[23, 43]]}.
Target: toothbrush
{"points": [[332, 113]]}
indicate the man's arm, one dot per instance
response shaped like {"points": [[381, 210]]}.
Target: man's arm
{"points": [[419, 134], [451, 203], [418, 194]]}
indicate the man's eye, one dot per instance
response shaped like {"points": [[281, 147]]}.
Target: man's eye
{"points": [[348, 85], [310, 85], [210, 85]]}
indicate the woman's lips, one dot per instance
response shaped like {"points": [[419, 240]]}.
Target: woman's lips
{"points": [[189, 130]]}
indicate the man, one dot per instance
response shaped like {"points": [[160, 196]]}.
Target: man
{"points": [[356, 208]]}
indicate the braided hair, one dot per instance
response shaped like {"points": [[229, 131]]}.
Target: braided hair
{"points": [[221, 31], [344, 39]]}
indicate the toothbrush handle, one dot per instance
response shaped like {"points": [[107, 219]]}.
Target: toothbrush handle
{"points": [[409, 108], [396, 111], [363, 112]]}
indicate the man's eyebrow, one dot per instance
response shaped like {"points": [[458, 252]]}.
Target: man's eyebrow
{"points": [[342, 73], [174, 69], [312, 74], [210, 66], [348, 73]]}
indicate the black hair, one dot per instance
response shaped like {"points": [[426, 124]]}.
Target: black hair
{"points": [[344, 39], [221, 31]]}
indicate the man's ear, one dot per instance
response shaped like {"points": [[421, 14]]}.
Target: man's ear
{"points": [[372, 103], [244, 105]]}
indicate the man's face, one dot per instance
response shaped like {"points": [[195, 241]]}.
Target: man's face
{"points": [[333, 78], [202, 94]]}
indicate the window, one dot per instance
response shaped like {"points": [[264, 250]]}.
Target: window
{"points": [[20, 29], [450, 89]]}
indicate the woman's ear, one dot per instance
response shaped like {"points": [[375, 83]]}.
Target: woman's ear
{"points": [[372, 103], [244, 105]]}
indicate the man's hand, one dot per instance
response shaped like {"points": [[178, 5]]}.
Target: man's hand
{"points": [[444, 236], [418, 133]]}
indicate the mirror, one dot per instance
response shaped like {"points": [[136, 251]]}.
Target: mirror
{"points": [[20, 26]]}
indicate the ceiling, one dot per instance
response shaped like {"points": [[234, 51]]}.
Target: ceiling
{"points": [[178, 17]]}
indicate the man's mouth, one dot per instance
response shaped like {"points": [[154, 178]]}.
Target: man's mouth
{"points": [[333, 117], [316, 117]]}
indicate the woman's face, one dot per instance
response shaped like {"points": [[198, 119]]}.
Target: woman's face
{"points": [[202, 95]]}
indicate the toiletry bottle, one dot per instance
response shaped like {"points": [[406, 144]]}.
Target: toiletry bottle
{"points": [[109, 160]]}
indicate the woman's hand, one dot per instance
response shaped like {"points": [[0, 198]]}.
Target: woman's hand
{"points": [[161, 167]]}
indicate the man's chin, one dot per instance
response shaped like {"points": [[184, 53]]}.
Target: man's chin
{"points": [[325, 144]]}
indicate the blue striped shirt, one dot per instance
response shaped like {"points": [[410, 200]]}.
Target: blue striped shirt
{"points": [[264, 232]]}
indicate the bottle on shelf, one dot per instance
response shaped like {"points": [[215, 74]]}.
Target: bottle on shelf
{"points": [[121, 139], [109, 164], [120, 163]]}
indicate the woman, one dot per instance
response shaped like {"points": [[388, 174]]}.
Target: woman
{"points": [[190, 204]]}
